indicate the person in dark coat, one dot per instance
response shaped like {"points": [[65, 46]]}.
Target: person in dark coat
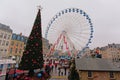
{"points": [[47, 69], [7, 76], [59, 71], [65, 69]]}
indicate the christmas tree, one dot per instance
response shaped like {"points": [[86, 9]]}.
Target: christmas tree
{"points": [[32, 56]]}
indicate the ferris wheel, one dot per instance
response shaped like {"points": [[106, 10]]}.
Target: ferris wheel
{"points": [[70, 30]]}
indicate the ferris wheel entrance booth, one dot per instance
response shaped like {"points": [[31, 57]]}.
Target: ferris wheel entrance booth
{"points": [[4, 64]]}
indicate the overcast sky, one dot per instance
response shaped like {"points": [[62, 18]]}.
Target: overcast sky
{"points": [[105, 16]]}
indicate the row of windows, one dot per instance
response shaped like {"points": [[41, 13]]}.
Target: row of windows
{"points": [[1, 66], [4, 43], [111, 74], [16, 44], [5, 36], [16, 50], [114, 46], [116, 59], [14, 37], [3, 50], [20, 38], [116, 56]]}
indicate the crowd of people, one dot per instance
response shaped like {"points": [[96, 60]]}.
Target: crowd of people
{"points": [[58, 65], [62, 66]]}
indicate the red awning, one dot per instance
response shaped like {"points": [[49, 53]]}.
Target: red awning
{"points": [[17, 71]]}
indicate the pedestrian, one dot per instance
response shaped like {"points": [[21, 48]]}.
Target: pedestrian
{"points": [[52, 67], [55, 66], [7, 76], [59, 71], [47, 69], [65, 70]]}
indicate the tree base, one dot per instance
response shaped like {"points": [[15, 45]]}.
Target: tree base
{"points": [[31, 73]]}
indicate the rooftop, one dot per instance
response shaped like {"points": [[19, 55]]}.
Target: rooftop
{"points": [[5, 28], [95, 64]]}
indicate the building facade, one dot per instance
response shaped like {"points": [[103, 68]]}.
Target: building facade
{"points": [[99, 75], [112, 51], [17, 46], [5, 38], [45, 46], [97, 69]]}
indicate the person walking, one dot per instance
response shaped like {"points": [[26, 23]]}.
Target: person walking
{"points": [[7, 76], [65, 69], [52, 67], [47, 69], [59, 71]]}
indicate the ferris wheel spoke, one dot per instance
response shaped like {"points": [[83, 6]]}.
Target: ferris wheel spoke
{"points": [[85, 33], [80, 35], [81, 38], [78, 39], [85, 29], [78, 45]]}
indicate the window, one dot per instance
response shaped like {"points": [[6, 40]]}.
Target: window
{"points": [[14, 36], [17, 44], [1, 35], [5, 36], [20, 51], [10, 50], [3, 43], [22, 38], [9, 65], [18, 37], [25, 40], [89, 74], [111, 74], [16, 50], [12, 43], [7, 43], [21, 45], [1, 65], [8, 36], [1, 50], [5, 50], [0, 42]]}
